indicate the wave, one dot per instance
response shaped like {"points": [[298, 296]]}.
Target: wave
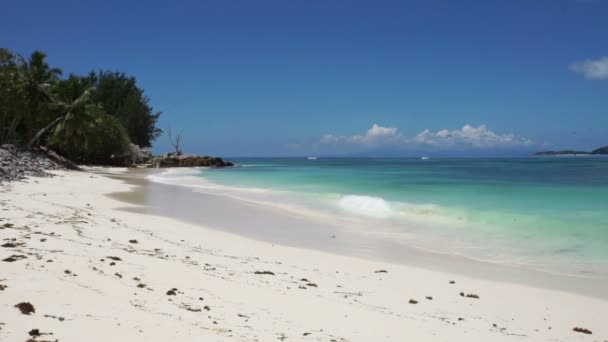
{"points": [[366, 206], [356, 205], [194, 177]]}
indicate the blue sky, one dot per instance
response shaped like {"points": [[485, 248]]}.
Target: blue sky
{"points": [[280, 78]]}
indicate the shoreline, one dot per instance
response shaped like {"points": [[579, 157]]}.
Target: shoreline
{"points": [[316, 234], [186, 282]]}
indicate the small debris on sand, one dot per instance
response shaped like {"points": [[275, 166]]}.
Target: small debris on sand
{"points": [[381, 271], [312, 284], [429, 297], [114, 258], [12, 244], [133, 241], [470, 295], [263, 272], [61, 319], [67, 272], [141, 286], [26, 308], [34, 332], [452, 282], [582, 330], [413, 301], [172, 292], [14, 258]]}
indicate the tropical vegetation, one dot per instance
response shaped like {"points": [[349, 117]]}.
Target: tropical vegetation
{"points": [[91, 118]]}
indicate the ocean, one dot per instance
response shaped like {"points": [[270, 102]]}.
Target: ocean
{"points": [[549, 214]]}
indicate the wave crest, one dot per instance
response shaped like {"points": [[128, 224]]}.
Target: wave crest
{"points": [[366, 206]]}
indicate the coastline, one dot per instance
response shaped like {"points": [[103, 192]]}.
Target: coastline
{"points": [[218, 293], [265, 222]]}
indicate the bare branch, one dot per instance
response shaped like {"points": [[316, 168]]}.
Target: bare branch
{"points": [[175, 142]]}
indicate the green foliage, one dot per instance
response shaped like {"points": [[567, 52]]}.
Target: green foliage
{"points": [[11, 99], [34, 73], [87, 118], [92, 136], [109, 143], [121, 97]]}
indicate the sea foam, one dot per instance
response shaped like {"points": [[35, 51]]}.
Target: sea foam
{"points": [[366, 206]]}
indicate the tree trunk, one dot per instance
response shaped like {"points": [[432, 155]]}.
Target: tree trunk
{"points": [[44, 130], [7, 138]]}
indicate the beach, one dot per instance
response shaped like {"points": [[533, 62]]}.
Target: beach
{"points": [[98, 267]]}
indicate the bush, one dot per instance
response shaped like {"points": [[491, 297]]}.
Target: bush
{"points": [[109, 142]]}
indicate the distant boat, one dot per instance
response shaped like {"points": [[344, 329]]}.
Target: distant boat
{"points": [[425, 158], [312, 158]]}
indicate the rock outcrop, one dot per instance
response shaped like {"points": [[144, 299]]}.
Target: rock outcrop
{"points": [[139, 155], [188, 160]]}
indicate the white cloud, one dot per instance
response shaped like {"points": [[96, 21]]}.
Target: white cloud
{"points": [[375, 135], [468, 136], [592, 69], [480, 136]]}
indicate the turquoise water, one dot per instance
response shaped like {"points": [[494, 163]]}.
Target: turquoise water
{"points": [[545, 212]]}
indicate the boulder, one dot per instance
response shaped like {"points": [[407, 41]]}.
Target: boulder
{"points": [[139, 155]]}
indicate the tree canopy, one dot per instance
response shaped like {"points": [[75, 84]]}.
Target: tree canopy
{"points": [[89, 118]]}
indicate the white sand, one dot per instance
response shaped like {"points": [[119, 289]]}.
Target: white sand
{"points": [[67, 219]]}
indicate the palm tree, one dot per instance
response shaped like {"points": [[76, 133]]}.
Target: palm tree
{"points": [[71, 125], [34, 74]]}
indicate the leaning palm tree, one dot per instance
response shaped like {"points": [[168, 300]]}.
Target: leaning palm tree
{"points": [[72, 123]]}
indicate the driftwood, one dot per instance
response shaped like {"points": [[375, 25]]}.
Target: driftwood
{"points": [[59, 159]]}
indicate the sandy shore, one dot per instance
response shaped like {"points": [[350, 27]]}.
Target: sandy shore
{"points": [[94, 272]]}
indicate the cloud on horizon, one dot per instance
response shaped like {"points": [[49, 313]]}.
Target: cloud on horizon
{"points": [[592, 69], [375, 135], [468, 136]]}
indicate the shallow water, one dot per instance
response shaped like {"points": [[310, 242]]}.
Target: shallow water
{"points": [[543, 213]]}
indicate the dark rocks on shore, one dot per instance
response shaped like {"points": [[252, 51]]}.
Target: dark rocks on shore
{"points": [[16, 163], [188, 160], [19, 163]]}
